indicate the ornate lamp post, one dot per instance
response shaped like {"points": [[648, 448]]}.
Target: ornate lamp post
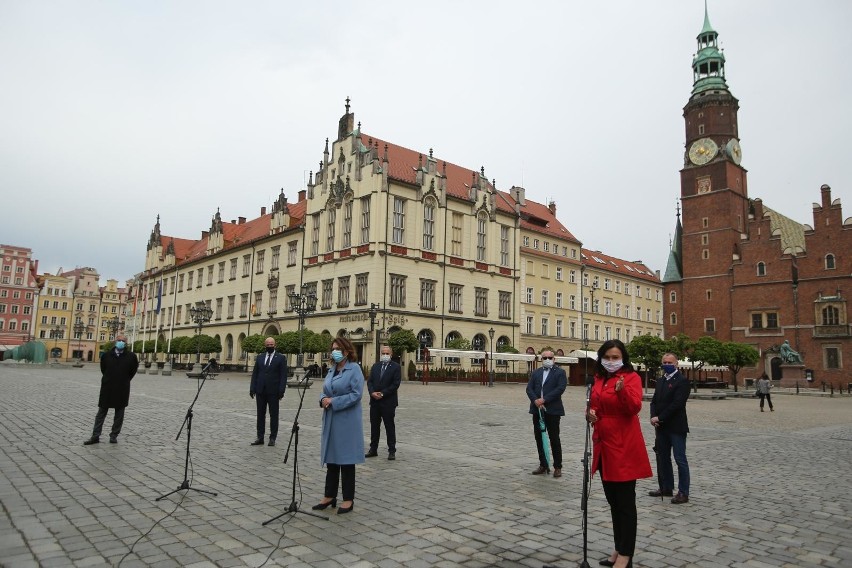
{"points": [[491, 356], [374, 311], [79, 328], [113, 325], [303, 303], [200, 313], [56, 334]]}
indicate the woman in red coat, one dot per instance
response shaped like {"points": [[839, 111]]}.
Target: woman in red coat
{"points": [[619, 448]]}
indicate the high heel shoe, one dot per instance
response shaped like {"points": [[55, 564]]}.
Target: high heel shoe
{"points": [[344, 510], [321, 506]]}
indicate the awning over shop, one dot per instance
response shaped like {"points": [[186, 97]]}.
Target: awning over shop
{"points": [[581, 354]]}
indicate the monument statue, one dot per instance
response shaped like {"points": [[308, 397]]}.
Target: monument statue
{"points": [[788, 354]]}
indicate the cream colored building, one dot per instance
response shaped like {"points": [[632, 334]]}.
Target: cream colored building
{"points": [[428, 245], [54, 314]]}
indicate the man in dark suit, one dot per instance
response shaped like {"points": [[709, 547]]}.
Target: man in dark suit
{"points": [[668, 416], [383, 383], [268, 382], [544, 389], [118, 367]]}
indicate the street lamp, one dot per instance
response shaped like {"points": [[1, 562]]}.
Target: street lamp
{"points": [[113, 325], [303, 303], [491, 357], [56, 333], [200, 313], [79, 328], [374, 311]]}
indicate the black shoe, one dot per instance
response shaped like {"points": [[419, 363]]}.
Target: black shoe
{"points": [[344, 510], [680, 498], [606, 562], [271, 442], [659, 493], [371, 454], [113, 440], [92, 440], [321, 506], [392, 456], [257, 442]]}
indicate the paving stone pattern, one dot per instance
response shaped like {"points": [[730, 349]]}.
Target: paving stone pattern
{"points": [[768, 489]]}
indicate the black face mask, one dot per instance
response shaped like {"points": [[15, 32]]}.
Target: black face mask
{"points": [[270, 350]]}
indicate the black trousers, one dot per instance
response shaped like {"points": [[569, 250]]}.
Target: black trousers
{"points": [[768, 398], [117, 422], [551, 423], [332, 478], [382, 413], [264, 400], [621, 496]]}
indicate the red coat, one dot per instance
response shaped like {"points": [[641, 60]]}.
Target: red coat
{"points": [[619, 448]]}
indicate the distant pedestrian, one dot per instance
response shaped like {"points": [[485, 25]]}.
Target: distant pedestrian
{"points": [[118, 367], [763, 388]]}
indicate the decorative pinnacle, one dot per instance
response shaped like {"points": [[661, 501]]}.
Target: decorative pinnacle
{"points": [[347, 105]]}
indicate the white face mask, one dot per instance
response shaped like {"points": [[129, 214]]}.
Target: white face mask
{"points": [[547, 363], [385, 358], [612, 366]]}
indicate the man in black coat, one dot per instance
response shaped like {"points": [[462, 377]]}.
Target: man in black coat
{"points": [[268, 382], [668, 416], [383, 384], [118, 366], [545, 389]]}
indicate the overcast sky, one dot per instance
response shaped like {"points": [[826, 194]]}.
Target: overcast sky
{"points": [[114, 112]]}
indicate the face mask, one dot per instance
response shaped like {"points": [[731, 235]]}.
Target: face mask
{"points": [[270, 350], [668, 368], [337, 355], [612, 366], [385, 358], [547, 363], [120, 345]]}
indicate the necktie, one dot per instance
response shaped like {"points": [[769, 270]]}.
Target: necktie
{"points": [[384, 368], [268, 360]]}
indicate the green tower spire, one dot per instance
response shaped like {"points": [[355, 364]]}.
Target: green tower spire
{"points": [[708, 65]]}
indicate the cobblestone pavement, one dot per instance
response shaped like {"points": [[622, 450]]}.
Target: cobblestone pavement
{"points": [[768, 489]]}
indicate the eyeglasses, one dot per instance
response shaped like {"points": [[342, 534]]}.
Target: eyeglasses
{"points": [[547, 357]]}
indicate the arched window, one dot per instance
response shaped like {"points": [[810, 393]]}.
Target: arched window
{"points": [[425, 339], [429, 209], [673, 297], [761, 268], [830, 316], [452, 336], [481, 225], [829, 261], [673, 318], [229, 347]]}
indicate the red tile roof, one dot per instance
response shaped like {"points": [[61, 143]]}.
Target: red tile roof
{"points": [[601, 261]]}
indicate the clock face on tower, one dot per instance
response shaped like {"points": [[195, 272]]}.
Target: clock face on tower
{"points": [[734, 151], [702, 151]]}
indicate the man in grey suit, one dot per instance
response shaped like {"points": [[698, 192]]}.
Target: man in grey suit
{"points": [[268, 382]]}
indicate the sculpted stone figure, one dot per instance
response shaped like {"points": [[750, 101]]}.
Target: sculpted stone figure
{"points": [[788, 354]]}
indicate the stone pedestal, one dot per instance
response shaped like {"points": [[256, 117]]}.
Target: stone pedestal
{"points": [[792, 373], [167, 369]]}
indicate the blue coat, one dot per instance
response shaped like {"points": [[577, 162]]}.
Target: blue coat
{"points": [[553, 389], [342, 422]]}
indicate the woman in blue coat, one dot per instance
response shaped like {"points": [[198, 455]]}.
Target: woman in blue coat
{"points": [[342, 425]]}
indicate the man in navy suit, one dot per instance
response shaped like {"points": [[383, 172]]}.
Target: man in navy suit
{"points": [[268, 382], [668, 416], [545, 388], [383, 384]]}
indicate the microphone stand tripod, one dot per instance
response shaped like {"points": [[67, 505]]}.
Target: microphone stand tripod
{"points": [[294, 441], [584, 500], [187, 421]]}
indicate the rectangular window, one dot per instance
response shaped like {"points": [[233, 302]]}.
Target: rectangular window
{"points": [[608, 308], [361, 289], [292, 248], [327, 291], [710, 325], [276, 254], [572, 302], [505, 305], [210, 275], [233, 275], [559, 299], [343, 291], [221, 274], [257, 307], [597, 333], [288, 291], [315, 234], [559, 273], [546, 246], [530, 293], [427, 294], [504, 246], [832, 358], [398, 221], [273, 302], [244, 305], [178, 313], [535, 244], [607, 283], [365, 220], [189, 279], [481, 306], [200, 277], [260, 258], [558, 328], [572, 329], [481, 236], [456, 239], [607, 333], [756, 321], [772, 320], [544, 297], [456, 298], [347, 225], [429, 226], [397, 290], [331, 221], [544, 321], [529, 326], [526, 241], [246, 265], [218, 314]]}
